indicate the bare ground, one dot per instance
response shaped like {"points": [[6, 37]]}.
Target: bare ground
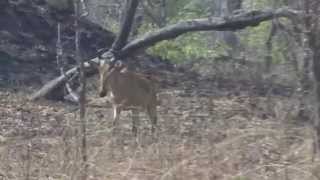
{"points": [[204, 133]]}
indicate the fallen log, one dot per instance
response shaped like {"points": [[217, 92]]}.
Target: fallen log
{"points": [[51, 85]]}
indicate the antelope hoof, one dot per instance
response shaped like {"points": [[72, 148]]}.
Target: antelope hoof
{"points": [[135, 131]]}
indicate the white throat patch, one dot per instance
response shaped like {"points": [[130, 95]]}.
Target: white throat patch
{"points": [[102, 62]]}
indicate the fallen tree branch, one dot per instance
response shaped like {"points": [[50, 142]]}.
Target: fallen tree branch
{"points": [[51, 85], [230, 23]]}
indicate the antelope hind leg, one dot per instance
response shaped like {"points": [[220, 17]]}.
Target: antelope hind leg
{"points": [[152, 112]]}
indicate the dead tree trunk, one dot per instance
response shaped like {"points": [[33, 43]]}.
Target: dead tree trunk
{"points": [[126, 25]]}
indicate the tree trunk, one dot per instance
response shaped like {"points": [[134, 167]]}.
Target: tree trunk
{"points": [[269, 45], [312, 53], [126, 25], [224, 8], [82, 95], [316, 70]]}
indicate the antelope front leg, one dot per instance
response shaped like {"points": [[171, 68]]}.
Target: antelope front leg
{"points": [[135, 121], [116, 115], [152, 112]]}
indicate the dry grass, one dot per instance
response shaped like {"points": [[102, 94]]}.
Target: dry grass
{"points": [[207, 137]]}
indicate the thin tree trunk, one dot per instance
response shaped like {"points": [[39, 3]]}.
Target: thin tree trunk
{"points": [[269, 45], [82, 98], [163, 12], [312, 54]]}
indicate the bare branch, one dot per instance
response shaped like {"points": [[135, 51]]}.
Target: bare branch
{"points": [[228, 23]]}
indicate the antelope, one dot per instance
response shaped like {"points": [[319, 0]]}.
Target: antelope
{"points": [[128, 91]]}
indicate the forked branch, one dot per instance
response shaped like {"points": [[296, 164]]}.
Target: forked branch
{"points": [[126, 25]]}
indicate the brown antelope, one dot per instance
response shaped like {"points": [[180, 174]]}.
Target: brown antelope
{"points": [[128, 91]]}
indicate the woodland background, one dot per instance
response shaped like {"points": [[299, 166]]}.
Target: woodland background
{"points": [[240, 104]]}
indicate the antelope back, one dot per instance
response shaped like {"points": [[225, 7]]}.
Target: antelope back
{"points": [[131, 89]]}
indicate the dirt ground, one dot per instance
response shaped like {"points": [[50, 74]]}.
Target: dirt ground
{"points": [[204, 133]]}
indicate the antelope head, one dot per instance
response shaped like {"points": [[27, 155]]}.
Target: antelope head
{"points": [[106, 71]]}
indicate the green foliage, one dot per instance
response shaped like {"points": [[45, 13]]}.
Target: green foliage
{"points": [[5, 59], [280, 48], [196, 45], [186, 9], [257, 4], [113, 26], [255, 39], [60, 4], [187, 47], [263, 4], [257, 36]]}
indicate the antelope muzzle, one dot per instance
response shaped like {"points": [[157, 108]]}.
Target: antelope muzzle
{"points": [[102, 93]]}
